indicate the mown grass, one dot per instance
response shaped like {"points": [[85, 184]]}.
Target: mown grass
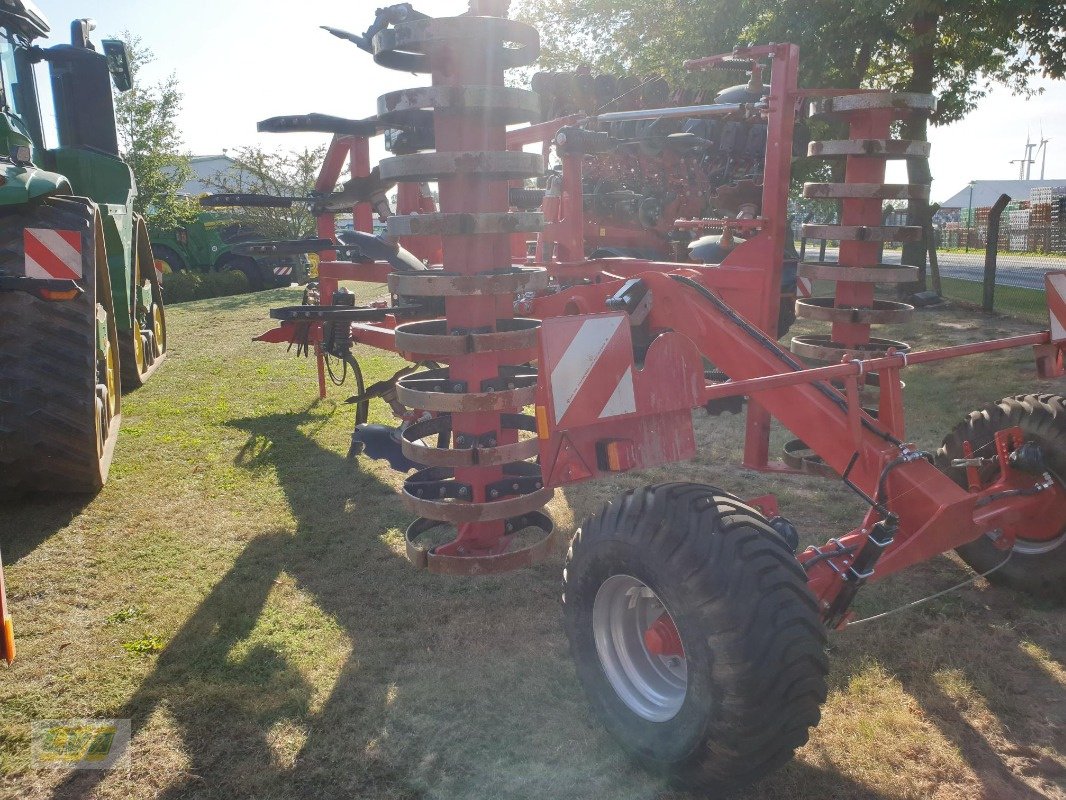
{"points": [[1014, 301], [301, 656]]}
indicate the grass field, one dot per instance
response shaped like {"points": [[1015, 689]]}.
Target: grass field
{"points": [[239, 590], [1014, 301]]}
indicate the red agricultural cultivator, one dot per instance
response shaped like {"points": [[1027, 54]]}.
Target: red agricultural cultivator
{"points": [[565, 331]]}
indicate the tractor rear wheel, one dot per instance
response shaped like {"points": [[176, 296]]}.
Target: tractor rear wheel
{"points": [[168, 260], [248, 266], [1036, 567], [694, 634], [59, 364]]}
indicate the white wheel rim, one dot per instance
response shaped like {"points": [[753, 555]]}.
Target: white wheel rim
{"points": [[652, 686]]}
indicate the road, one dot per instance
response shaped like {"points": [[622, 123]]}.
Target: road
{"points": [[1026, 272]]}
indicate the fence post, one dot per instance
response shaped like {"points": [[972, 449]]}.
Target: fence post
{"points": [[991, 250], [930, 238]]}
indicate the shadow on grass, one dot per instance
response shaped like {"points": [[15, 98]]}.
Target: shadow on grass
{"points": [[30, 519], [969, 652], [230, 702], [226, 706]]}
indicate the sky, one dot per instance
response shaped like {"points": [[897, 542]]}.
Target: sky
{"points": [[239, 61]]}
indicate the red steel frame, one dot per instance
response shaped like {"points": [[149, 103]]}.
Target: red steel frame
{"points": [[935, 514]]}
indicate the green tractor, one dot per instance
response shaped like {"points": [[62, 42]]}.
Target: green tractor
{"points": [[81, 307], [216, 242]]}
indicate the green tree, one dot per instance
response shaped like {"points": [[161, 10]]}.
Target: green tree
{"points": [[278, 173], [954, 50], [151, 142]]}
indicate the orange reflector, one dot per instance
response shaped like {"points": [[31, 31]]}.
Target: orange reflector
{"points": [[66, 294], [542, 422], [616, 455], [7, 650]]}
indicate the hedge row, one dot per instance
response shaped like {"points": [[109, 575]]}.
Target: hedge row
{"points": [[181, 287]]}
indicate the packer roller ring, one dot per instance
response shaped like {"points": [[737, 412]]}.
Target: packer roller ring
{"points": [[431, 337], [468, 450], [507, 561], [880, 312]]}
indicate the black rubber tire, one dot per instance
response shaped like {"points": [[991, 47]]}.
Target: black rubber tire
{"points": [[248, 266], [1043, 419], [173, 259], [753, 641], [49, 371]]}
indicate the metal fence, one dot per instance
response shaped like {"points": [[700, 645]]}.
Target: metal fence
{"points": [[1000, 264]]}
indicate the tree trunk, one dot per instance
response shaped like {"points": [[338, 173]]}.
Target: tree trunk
{"points": [[923, 51]]}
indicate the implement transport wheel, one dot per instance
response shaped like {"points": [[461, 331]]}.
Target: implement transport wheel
{"points": [[1037, 566], [59, 363], [694, 634]]}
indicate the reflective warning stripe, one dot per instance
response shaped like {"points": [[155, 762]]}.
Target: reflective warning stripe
{"points": [[570, 374], [1056, 304], [804, 287], [622, 400], [283, 270], [52, 254]]}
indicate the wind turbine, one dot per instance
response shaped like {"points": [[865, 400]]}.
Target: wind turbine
{"points": [[1043, 146]]}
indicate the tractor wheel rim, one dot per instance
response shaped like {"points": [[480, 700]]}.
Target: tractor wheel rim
{"points": [[112, 382], [157, 326], [138, 347], [651, 685]]}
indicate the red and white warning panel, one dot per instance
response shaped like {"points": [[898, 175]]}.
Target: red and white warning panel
{"points": [[597, 412], [52, 254], [591, 362], [804, 287], [1056, 303]]}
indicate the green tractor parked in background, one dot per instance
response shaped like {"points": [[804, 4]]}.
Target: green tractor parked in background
{"points": [[81, 307], [212, 243]]}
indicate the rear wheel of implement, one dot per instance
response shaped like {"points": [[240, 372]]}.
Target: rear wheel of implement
{"points": [[59, 363], [1037, 566], [694, 634]]}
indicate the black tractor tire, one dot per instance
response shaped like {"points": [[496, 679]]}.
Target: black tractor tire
{"points": [[246, 265], [59, 400], [753, 645], [1035, 568], [172, 259]]}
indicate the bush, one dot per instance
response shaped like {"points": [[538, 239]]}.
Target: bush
{"points": [[181, 287]]}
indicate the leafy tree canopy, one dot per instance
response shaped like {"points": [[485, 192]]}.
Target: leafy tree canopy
{"points": [[843, 43], [279, 173], [150, 141]]}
